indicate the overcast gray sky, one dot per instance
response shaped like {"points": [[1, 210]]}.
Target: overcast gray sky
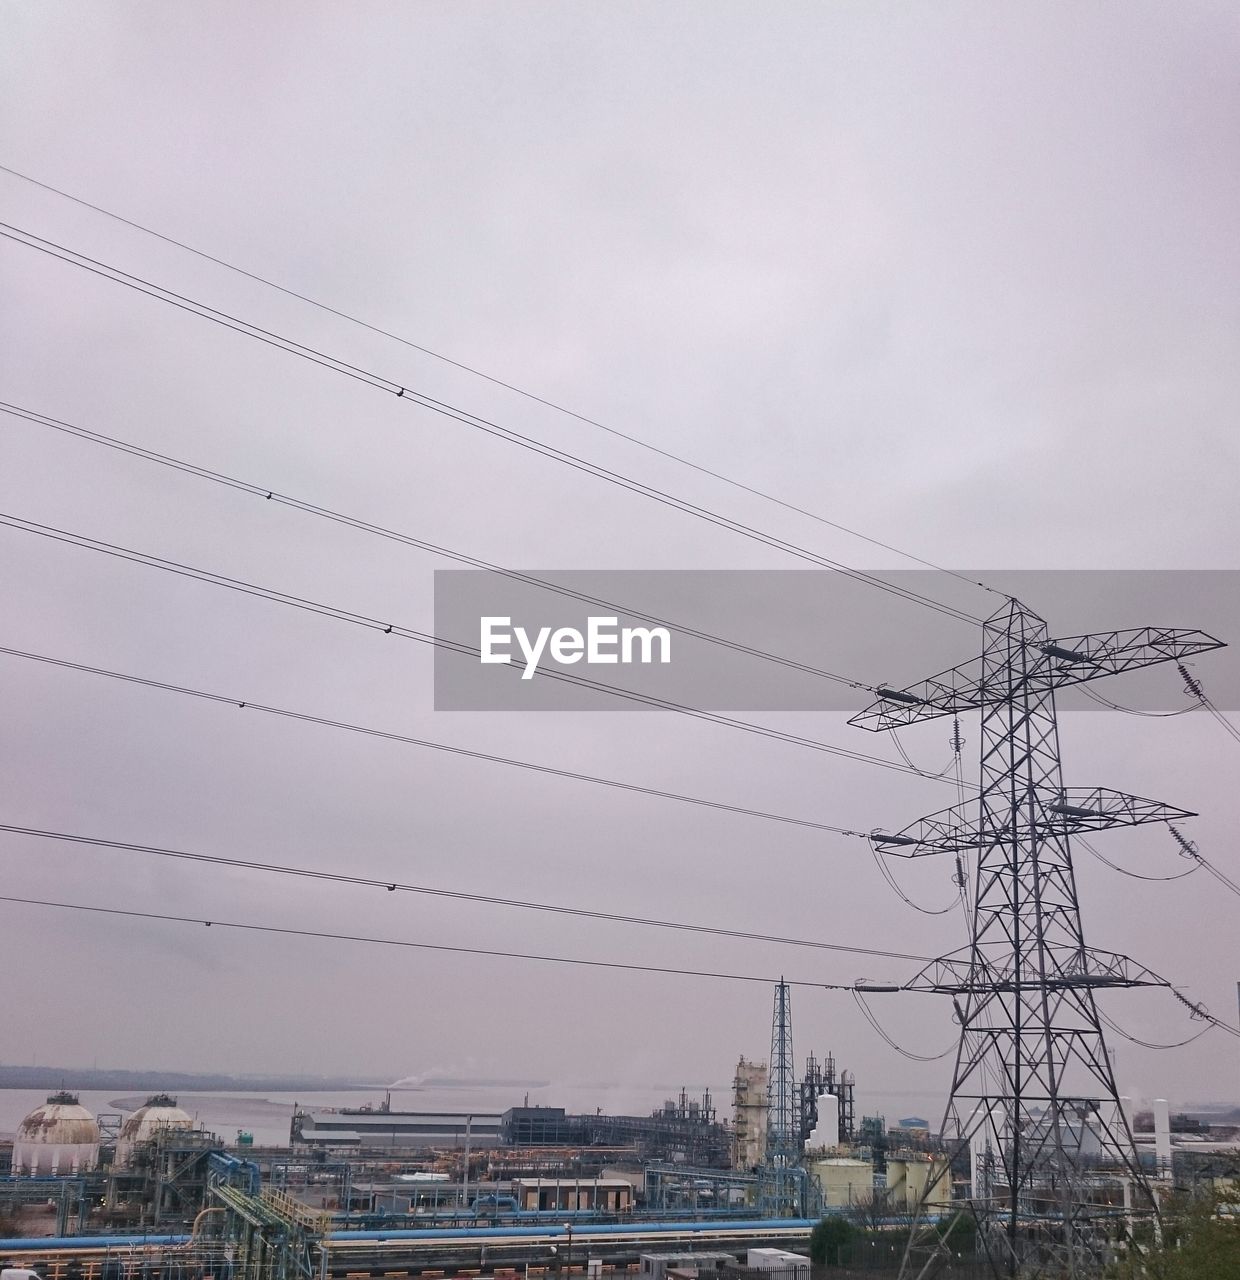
{"points": [[961, 276]]}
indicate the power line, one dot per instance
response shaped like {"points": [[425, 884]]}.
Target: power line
{"points": [[1195, 687], [1220, 877], [418, 946], [1124, 871], [1132, 711], [894, 885], [405, 739], [439, 642], [1189, 850], [1200, 1011], [907, 1053], [353, 522], [908, 760], [285, 931], [1153, 1044], [382, 383], [1222, 719], [389, 886], [857, 988], [499, 382]]}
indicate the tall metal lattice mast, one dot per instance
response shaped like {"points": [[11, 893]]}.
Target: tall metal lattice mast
{"points": [[783, 1176], [1033, 1092]]}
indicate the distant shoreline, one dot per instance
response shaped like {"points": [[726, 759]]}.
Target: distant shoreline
{"points": [[55, 1078], [85, 1079]]}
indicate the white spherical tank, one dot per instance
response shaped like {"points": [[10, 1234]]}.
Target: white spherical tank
{"points": [[58, 1138], [159, 1113]]}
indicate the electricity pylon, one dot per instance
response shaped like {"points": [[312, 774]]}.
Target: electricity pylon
{"points": [[1033, 1092]]}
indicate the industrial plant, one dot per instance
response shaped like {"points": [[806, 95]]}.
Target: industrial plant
{"points": [[532, 1190]]}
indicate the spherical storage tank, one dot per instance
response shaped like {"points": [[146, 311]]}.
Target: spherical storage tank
{"points": [[160, 1112], [59, 1137]]}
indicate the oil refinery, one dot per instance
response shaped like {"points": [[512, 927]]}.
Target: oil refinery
{"points": [[535, 1190]]}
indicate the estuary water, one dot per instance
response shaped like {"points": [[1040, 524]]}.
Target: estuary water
{"points": [[267, 1115]]}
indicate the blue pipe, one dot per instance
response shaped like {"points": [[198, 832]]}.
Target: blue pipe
{"points": [[620, 1229], [29, 1243], [228, 1166]]}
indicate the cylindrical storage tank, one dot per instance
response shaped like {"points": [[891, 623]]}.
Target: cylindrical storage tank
{"points": [[159, 1112], [58, 1138], [826, 1132]]}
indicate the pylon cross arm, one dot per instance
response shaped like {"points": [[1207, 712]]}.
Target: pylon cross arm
{"points": [[978, 974], [1050, 664], [1108, 653], [1059, 813], [948, 693]]}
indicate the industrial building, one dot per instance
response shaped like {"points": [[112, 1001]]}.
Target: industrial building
{"points": [[658, 1266], [605, 1195], [382, 1128], [749, 1114], [790, 1266], [682, 1129], [822, 1080]]}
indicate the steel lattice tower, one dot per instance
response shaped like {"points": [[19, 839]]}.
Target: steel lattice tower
{"points": [[781, 1095], [783, 1176], [1033, 1092]]}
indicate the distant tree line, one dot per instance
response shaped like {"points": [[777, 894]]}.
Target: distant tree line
{"points": [[147, 1080]]}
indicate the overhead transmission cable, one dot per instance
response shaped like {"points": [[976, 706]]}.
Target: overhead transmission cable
{"points": [[1132, 711], [494, 953], [894, 885], [338, 366], [904, 755], [385, 627], [1195, 687], [1125, 871], [1199, 1010], [289, 932], [396, 886], [494, 381], [300, 504], [371, 731], [958, 878], [907, 1053], [400, 391], [859, 988], [1189, 849], [1153, 1044]]}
